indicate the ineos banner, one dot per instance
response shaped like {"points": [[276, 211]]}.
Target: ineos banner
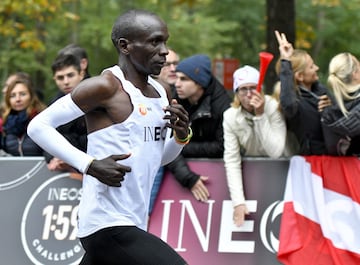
{"points": [[204, 233], [39, 211], [38, 214]]}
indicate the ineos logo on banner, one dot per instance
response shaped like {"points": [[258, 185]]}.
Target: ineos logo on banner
{"points": [[49, 223], [270, 216], [206, 231]]}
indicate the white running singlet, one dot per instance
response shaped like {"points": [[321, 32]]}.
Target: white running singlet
{"points": [[143, 135]]}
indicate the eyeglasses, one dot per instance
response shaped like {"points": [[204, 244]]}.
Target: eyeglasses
{"points": [[174, 63], [246, 90]]}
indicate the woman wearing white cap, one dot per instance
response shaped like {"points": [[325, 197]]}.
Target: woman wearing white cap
{"points": [[253, 126]]}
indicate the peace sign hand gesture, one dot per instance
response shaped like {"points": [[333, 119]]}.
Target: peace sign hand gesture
{"points": [[286, 49]]}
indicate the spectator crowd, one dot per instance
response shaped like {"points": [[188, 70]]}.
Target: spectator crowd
{"points": [[301, 116]]}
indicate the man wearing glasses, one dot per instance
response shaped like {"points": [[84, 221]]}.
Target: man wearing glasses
{"points": [[167, 76]]}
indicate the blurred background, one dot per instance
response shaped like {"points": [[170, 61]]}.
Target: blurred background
{"points": [[32, 31]]}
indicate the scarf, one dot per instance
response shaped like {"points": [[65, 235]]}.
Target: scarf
{"points": [[16, 123]]}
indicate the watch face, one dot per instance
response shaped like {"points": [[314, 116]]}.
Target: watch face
{"points": [[49, 222]]}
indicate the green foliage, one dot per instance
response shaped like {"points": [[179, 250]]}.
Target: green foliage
{"points": [[191, 34], [248, 31], [329, 27], [32, 31]]}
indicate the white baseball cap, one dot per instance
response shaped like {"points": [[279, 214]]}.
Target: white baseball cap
{"points": [[245, 75]]}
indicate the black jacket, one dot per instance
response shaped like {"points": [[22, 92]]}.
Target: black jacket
{"points": [[301, 112], [20, 146], [206, 123], [342, 133], [14, 139]]}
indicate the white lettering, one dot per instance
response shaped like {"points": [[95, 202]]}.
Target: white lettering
{"points": [[77, 248], [275, 209], [54, 256], [203, 238], [226, 243], [227, 227], [166, 219], [64, 194], [44, 253]]}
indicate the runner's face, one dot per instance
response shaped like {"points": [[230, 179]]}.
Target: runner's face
{"points": [[148, 52]]}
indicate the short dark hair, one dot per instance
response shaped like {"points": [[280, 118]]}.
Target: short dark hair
{"points": [[75, 50], [127, 26], [79, 52], [65, 60]]}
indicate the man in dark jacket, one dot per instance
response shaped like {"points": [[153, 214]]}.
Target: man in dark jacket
{"points": [[67, 75], [205, 99]]}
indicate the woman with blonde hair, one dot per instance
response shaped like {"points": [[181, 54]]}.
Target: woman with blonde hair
{"points": [[302, 97], [342, 120], [21, 105]]}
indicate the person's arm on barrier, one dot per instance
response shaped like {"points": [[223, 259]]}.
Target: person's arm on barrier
{"points": [[233, 168], [180, 169], [239, 214]]}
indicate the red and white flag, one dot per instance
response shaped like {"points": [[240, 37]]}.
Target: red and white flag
{"points": [[320, 224]]}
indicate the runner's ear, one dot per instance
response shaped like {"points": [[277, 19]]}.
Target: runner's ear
{"points": [[123, 45]]}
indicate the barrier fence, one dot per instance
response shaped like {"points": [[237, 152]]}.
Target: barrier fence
{"points": [[39, 214]]}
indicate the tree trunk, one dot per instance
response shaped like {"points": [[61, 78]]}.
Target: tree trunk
{"points": [[281, 17]]}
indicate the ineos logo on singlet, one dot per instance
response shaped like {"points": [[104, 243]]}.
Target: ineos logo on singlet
{"points": [[154, 134], [142, 109]]}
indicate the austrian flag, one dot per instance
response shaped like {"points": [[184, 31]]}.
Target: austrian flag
{"points": [[320, 224]]}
